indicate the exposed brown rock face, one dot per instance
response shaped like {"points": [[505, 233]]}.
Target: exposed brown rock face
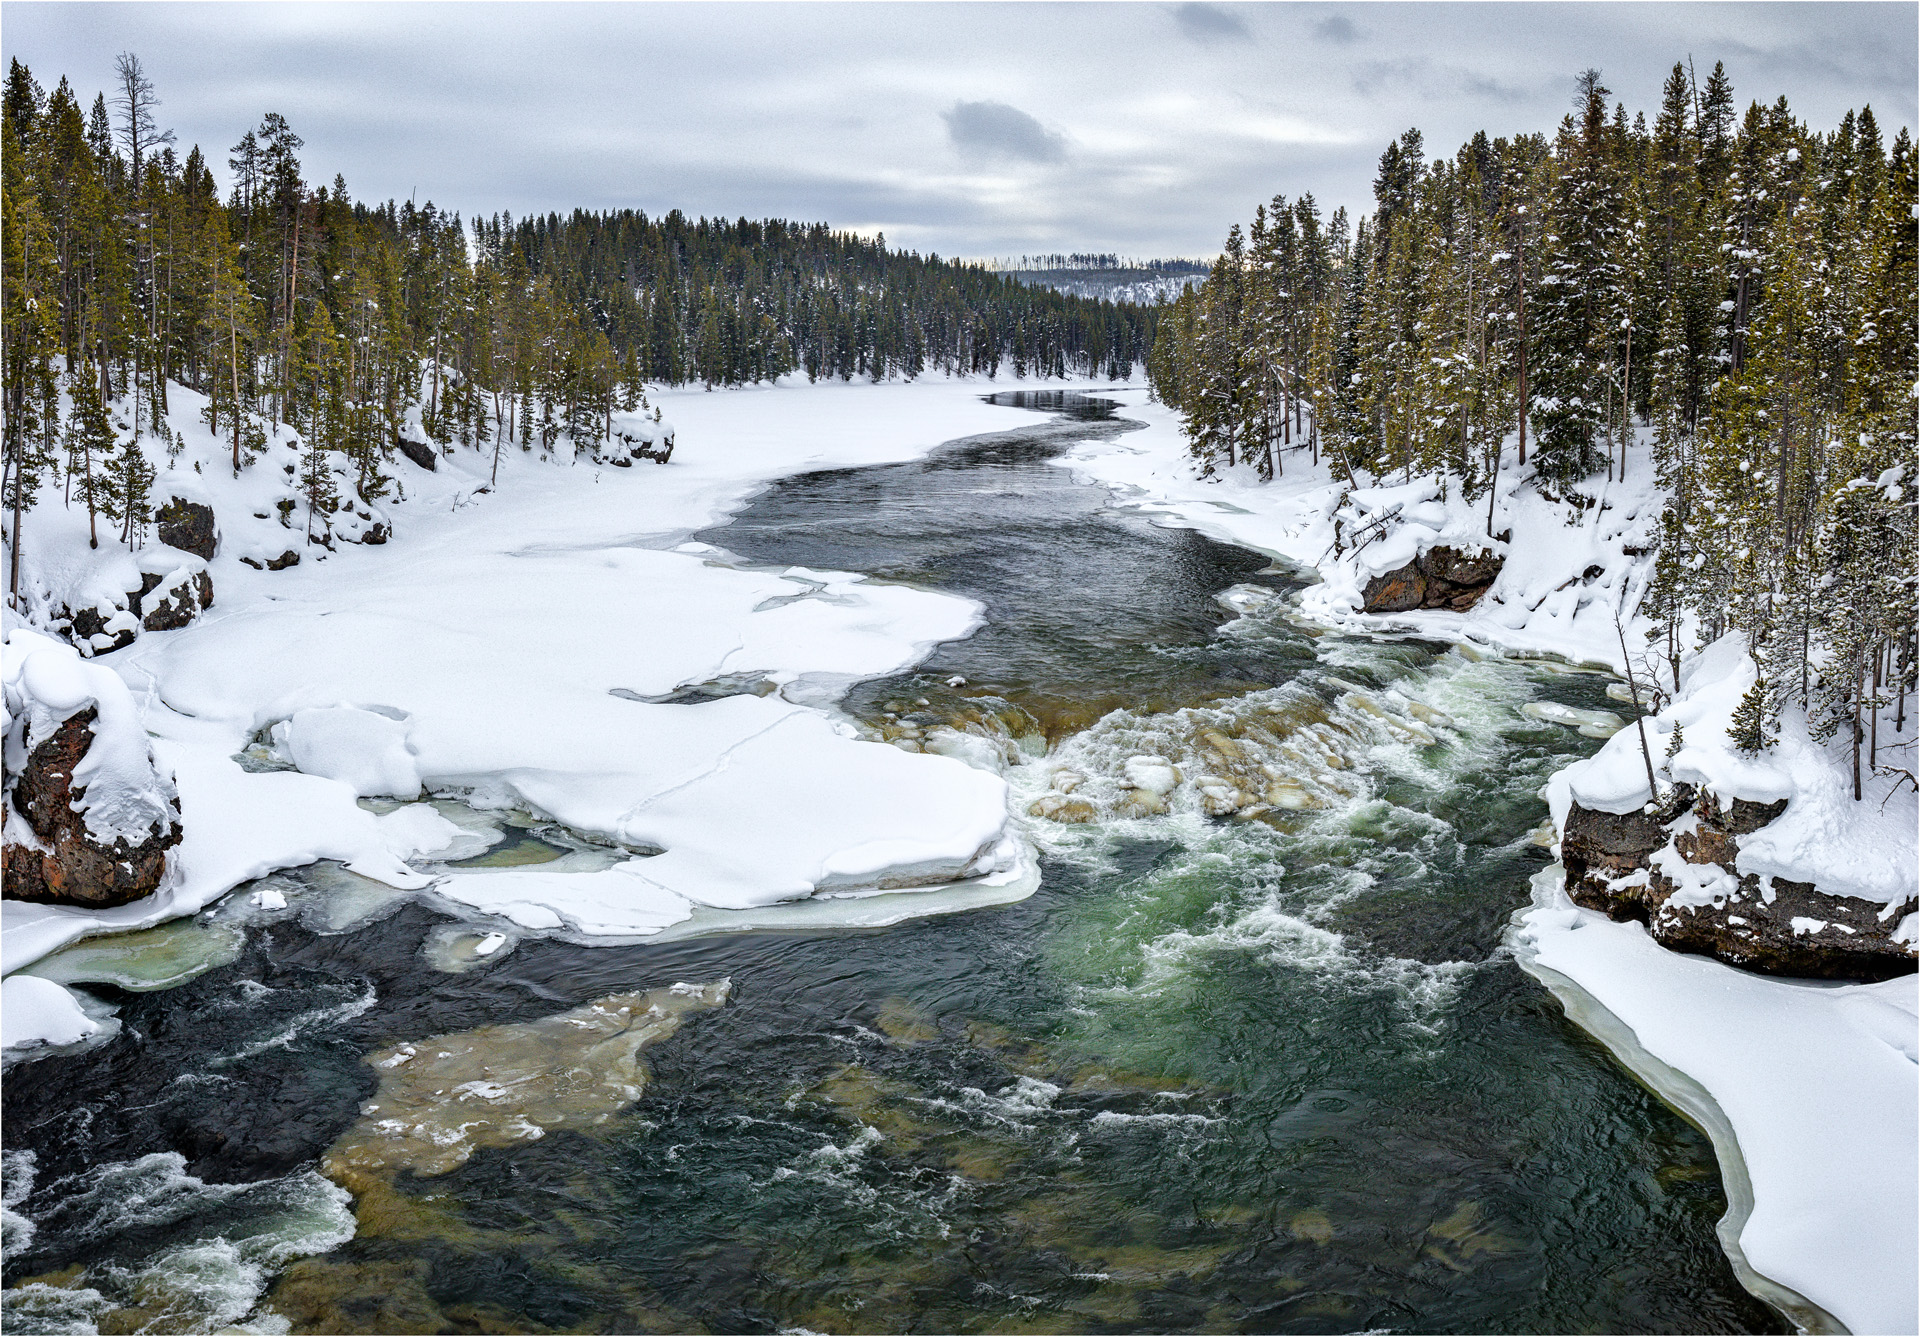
{"points": [[1440, 577], [188, 526], [1608, 858], [73, 867], [1399, 591]]}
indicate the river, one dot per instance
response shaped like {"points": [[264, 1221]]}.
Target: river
{"points": [[1266, 1070]]}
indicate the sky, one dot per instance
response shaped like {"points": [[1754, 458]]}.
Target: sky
{"points": [[980, 130]]}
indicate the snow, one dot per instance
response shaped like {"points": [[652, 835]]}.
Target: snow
{"points": [[503, 646], [36, 1012], [1543, 604], [363, 749], [1816, 1085], [1867, 849], [47, 683]]}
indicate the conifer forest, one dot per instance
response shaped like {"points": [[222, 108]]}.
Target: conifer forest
{"points": [[1741, 285], [125, 270]]}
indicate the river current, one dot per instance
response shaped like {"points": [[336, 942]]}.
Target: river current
{"points": [[1251, 1059]]}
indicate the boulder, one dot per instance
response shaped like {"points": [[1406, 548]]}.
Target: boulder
{"points": [[1398, 591], [1461, 568], [188, 526], [1606, 853], [1441, 577], [419, 452], [1614, 864], [181, 598], [87, 815], [290, 557], [102, 629]]}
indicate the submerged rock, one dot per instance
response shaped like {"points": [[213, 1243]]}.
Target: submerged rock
{"points": [[445, 1097], [1675, 869], [1441, 577]]}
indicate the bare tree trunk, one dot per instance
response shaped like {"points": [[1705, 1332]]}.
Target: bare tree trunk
{"points": [[1858, 677], [1520, 270], [233, 331], [1639, 718]]}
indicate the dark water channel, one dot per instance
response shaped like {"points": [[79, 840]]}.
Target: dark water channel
{"points": [[1262, 1072]]}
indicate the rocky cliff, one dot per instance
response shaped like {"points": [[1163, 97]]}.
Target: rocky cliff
{"points": [[1675, 869]]}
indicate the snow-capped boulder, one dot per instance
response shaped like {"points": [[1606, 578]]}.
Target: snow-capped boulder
{"points": [[1676, 870], [174, 588], [419, 452], [88, 818], [188, 526], [101, 628], [1441, 577], [643, 437], [365, 749], [1763, 860]]}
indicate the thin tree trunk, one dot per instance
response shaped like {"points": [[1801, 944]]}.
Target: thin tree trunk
{"points": [[233, 330], [1520, 270]]}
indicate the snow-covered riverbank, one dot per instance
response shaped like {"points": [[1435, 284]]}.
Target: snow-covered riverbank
{"points": [[511, 643], [1809, 1089]]}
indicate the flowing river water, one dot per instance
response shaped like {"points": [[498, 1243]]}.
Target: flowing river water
{"points": [[1251, 1059]]}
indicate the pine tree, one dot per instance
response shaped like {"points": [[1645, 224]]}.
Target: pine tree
{"points": [[131, 482]]}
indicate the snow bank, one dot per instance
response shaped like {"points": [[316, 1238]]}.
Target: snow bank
{"points": [[1867, 848], [1544, 602], [508, 642], [37, 1014], [1817, 1086]]}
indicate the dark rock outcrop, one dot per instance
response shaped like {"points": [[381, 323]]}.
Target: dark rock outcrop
{"points": [[71, 866], [1397, 591], [179, 602], [290, 557], [419, 452], [85, 624], [1785, 928], [1441, 577], [188, 526]]}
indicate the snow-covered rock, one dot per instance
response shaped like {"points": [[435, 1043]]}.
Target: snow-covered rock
{"points": [[89, 818]]}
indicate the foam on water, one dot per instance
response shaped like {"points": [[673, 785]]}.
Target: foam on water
{"points": [[226, 1242]]}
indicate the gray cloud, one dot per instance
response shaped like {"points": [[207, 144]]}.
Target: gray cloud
{"points": [[1085, 126], [1207, 23], [1338, 29], [995, 130]]}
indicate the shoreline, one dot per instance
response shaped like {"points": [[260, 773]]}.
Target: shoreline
{"points": [[1281, 533], [1680, 1093]]}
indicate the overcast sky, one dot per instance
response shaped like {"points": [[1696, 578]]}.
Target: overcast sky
{"points": [[969, 129]]}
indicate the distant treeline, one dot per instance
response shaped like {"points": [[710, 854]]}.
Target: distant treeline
{"points": [[1097, 261]]}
